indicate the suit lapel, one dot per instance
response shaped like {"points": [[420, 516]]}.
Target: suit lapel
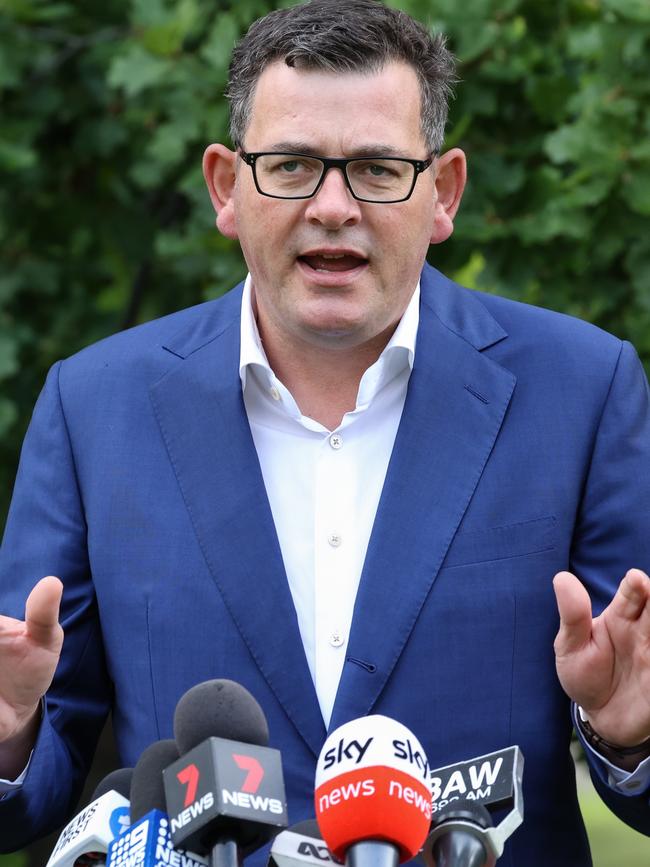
{"points": [[202, 417], [456, 402]]}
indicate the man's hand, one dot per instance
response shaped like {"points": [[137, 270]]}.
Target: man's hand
{"points": [[604, 663], [29, 653]]}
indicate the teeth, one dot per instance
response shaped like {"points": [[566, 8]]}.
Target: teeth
{"points": [[332, 255]]}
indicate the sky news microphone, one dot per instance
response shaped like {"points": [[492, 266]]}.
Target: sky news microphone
{"points": [[301, 845], [146, 842], [225, 795], [373, 800], [466, 797], [85, 839]]}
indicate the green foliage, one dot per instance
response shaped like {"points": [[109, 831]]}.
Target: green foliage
{"points": [[107, 106]]}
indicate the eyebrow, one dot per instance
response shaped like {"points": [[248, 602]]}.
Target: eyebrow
{"points": [[371, 150]]}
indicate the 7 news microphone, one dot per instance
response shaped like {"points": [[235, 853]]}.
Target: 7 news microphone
{"points": [[225, 795], [372, 793], [85, 839], [466, 797], [147, 842]]}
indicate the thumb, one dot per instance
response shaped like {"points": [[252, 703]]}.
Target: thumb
{"points": [[42, 610], [574, 606]]}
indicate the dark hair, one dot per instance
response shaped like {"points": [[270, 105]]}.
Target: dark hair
{"points": [[342, 36]]}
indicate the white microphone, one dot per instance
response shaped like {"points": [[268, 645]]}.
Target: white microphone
{"points": [[86, 838]]}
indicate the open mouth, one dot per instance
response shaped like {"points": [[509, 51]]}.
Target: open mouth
{"points": [[332, 262]]}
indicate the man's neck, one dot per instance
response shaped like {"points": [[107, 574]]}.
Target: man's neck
{"points": [[324, 382]]}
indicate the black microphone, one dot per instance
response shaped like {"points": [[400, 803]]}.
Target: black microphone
{"points": [[147, 843], [225, 795], [85, 839], [301, 845], [460, 841], [465, 798], [117, 781]]}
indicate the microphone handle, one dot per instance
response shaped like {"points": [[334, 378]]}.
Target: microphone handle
{"points": [[372, 853], [225, 853], [459, 849]]}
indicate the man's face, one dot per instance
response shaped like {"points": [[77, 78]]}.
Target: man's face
{"points": [[332, 271]]}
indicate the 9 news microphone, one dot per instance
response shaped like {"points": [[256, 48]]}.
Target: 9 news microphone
{"points": [[301, 845], [147, 843], [85, 839], [465, 797], [225, 795], [373, 800]]}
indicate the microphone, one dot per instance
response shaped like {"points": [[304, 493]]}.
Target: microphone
{"points": [[85, 839], [461, 839], [225, 795], [465, 798], [300, 845], [373, 800], [146, 843]]}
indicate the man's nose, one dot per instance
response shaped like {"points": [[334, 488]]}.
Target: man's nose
{"points": [[333, 205]]}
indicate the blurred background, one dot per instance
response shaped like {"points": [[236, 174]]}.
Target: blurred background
{"points": [[106, 106]]}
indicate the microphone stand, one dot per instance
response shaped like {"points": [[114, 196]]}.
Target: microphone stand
{"points": [[225, 853], [372, 853]]}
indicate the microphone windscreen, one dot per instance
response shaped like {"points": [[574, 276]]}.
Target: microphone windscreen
{"points": [[147, 790], [221, 709], [372, 784], [117, 781]]}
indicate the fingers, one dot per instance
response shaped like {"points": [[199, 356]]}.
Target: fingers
{"points": [[42, 610], [632, 599], [574, 606]]}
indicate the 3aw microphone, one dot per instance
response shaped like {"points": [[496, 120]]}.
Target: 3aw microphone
{"points": [[373, 800], [466, 795], [86, 838], [225, 795], [147, 842], [301, 845]]}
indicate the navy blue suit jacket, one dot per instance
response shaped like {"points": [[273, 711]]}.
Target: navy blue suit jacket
{"points": [[524, 448]]}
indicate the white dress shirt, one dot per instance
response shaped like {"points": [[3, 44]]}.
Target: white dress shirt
{"points": [[324, 486]]}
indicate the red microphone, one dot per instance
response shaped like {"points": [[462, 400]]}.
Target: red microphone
{"points": [[372, 793]]}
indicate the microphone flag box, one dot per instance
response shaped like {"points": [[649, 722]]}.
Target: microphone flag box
{"points": [[490, 780], [92, 829], [292, 849], [147, 843], [223, 788]]}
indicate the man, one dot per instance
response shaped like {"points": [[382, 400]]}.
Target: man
{"points": [[348, 486]]}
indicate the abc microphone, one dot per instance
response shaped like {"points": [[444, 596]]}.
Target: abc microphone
{"points": [[372, 794], [225, 795], [301, 845], [85, 839], [147, 843], [464, 798]]}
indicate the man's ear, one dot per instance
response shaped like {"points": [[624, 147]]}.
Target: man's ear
{"points": [[451, 175], [219, 173]]}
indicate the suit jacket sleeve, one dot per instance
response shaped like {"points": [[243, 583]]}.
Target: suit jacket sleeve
{"points": [[46, 535], [613, 527]]}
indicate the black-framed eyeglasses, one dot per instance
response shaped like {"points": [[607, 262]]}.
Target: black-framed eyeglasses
{"points": [[378, 179]]}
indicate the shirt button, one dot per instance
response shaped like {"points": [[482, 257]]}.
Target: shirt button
{"points": [[336, 441], [336, 639], [275, 394], [334, 539]]}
